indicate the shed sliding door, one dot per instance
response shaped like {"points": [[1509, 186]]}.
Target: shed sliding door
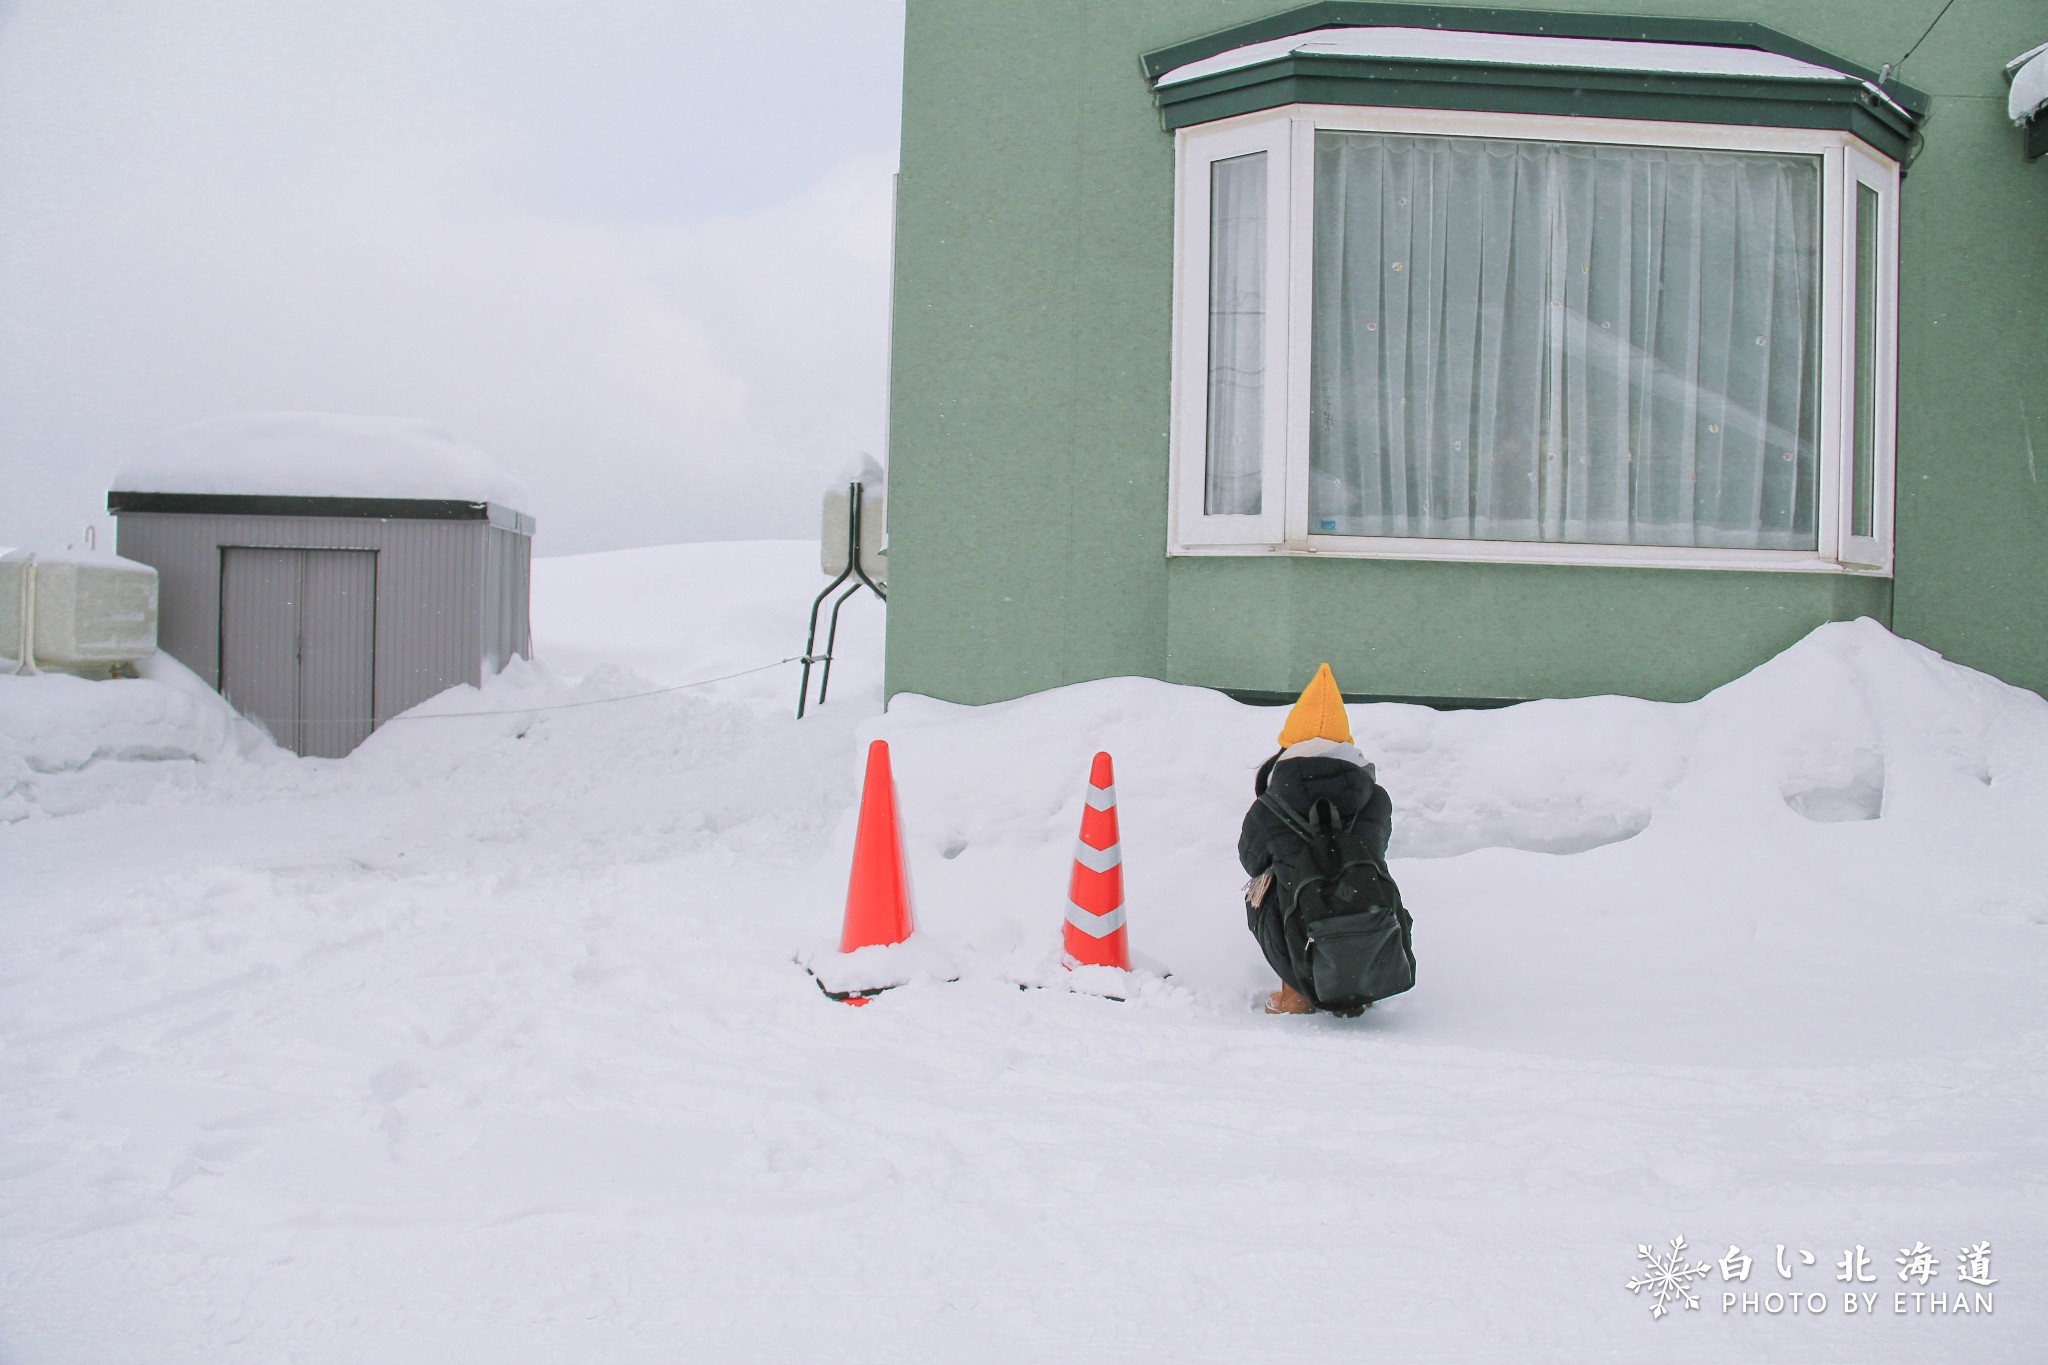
{"points": [[298, 644]]}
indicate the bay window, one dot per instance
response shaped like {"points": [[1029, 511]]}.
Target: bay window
{"points": [[1433, 333]]}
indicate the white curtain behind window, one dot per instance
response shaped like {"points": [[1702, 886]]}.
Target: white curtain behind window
{"points": [[1237, 335], [1555, 342]]}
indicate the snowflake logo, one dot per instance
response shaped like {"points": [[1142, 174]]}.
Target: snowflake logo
{"points": [[1668, 1278]]}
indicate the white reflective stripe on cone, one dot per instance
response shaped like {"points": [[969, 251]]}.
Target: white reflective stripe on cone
{"points": [[1101, 798], [1092, 924], [1098, 859]]}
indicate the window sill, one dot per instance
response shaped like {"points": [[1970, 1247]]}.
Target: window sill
{"points": [[1516, 552]]}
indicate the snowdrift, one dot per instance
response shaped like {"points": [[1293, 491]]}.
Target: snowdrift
{"points": [[488, 1041], [1810, 792], [68, 744]]}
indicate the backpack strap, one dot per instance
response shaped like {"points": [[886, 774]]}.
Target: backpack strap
{"points": [[1322, 817], [1288, 815], [1317, 830]]}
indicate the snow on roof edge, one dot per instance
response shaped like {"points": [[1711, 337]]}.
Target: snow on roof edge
{"points": [[311, 454], [1609, 54], [12, 554], [2029, 84], [1513, 49]]}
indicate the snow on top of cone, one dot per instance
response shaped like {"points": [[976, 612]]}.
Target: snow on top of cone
{"points": [[921, 958]]}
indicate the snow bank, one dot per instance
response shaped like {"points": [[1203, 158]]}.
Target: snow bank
{"points": [[492, 1039], [68, 744], [1849, 726], [317, 454]]}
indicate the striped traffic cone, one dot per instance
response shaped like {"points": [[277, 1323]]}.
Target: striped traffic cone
{"points": [[1095, 934]]}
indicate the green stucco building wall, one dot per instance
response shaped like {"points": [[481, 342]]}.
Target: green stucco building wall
{"points": [[1030, 395]]}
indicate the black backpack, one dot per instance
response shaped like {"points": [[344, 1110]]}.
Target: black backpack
{"points": [[1349, 938]]}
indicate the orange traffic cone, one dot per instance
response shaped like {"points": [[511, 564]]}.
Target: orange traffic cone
{"points": [[878, 893], [1095, 934]]}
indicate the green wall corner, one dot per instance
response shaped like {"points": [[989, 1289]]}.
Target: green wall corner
{"points": [[1029, 399]]}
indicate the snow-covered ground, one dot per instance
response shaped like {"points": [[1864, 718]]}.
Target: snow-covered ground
{"points": [[488, 1043]]}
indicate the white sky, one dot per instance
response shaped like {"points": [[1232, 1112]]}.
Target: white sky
{"points": [[637, 250]]}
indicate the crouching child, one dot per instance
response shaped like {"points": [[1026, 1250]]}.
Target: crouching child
{"points": [[1320, 903]]}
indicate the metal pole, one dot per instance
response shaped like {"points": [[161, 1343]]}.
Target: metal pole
{"points": [[830, 636], [811, 656], [854, 500]]}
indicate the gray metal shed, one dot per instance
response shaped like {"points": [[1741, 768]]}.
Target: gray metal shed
{"points": [[323, 617]]}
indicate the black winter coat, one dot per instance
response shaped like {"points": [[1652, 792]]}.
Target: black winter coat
{"points": [[1300, 782]]}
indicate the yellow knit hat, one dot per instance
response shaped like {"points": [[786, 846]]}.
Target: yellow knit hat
{"points": [[1319, 714]]}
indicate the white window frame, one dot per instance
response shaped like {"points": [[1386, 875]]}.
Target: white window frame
{"points": [[1873, 552], [1194, 526], [1287, 136]]}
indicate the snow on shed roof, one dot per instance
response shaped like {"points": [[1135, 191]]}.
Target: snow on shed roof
{"points": [[1515, 50], [320, 455]]}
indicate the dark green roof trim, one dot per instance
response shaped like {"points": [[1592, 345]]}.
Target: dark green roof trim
{"points": [[1413, 83], [1634, 28], [1256, 697], [273, 505]]}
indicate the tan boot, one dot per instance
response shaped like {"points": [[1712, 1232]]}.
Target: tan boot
{"points": [[1288, 1000]]}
